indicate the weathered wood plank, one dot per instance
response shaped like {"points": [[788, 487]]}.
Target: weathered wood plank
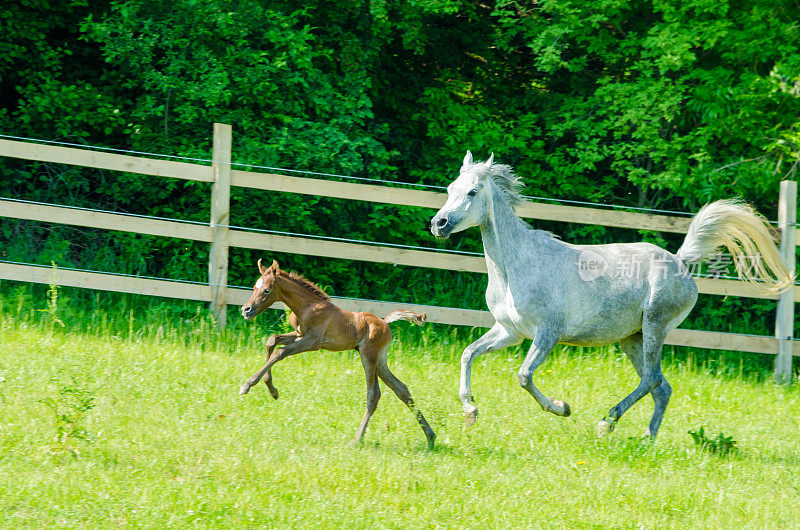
{"points": [[105, 282], [732, 288], [596, 216], [724, 341], [107, 221], [436, 314], [220, 219], [357, 251], [431, 199], [101, 160], [784, 322]]}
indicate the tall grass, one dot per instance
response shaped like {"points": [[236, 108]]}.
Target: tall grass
{"points": [[149, 389]]}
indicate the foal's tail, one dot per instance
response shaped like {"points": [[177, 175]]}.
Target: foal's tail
{"points": [[406, 314], [746, 235]]}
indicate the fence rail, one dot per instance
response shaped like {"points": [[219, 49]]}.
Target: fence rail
{"points": [[221, 236], [330, 188], [100, 160], [304, 245]]}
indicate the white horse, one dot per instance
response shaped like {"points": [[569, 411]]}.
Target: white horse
{"points": [[589, 295]]}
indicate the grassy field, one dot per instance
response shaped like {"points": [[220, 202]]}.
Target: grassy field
{"points": [[150, 432]]}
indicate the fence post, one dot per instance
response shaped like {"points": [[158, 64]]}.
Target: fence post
{"points": [[784, 325], [220, 219]]}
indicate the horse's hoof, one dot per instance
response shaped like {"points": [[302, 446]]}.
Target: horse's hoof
{"points": [[274, 393], [470, 417], [244, 389], [564, 409], [604, 427], [431, 439]]}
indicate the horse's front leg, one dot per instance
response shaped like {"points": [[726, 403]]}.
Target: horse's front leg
{"points": [[272, 341], [543, 344], [303, 343], [494, 339]]}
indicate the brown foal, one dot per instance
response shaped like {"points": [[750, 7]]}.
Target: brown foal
{"points": [[319, 324]]}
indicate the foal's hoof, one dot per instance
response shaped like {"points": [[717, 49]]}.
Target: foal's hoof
{"points": [[274, 392], [604, 427], [431, 439], [244, 389], [562, 408]]}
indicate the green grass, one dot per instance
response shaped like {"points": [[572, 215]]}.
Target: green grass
{"points": [[170, 443]]}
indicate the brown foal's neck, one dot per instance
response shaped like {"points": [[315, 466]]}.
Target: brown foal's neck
{"points": [[296, 293]]}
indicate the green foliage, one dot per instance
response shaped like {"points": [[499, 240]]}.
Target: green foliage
{"points": [[69, 409], [648, 104], [52, 302], [721, 445]]}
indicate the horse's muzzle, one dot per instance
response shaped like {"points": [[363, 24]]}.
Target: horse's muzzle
{"points": [[441, 227], [248, 311]]}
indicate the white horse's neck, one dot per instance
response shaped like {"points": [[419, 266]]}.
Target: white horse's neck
{"points": [[502, 231]]}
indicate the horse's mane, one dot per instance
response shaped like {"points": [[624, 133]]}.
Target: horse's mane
{"points": [[510, 184], [308, 284]]}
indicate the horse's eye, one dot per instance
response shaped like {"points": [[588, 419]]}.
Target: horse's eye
{"points": [[472, 193]]}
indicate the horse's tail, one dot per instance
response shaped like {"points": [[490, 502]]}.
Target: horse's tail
{"points": [[406, 314], [746, 235]]}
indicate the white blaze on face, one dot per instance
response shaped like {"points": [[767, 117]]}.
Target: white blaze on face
{"points": [[260, 283]]}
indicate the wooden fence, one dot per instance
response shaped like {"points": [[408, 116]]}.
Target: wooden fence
{"points": [[221, 237]]}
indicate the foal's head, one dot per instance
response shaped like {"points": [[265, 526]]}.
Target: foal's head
{"points": [[468, 197], [265, 292]]}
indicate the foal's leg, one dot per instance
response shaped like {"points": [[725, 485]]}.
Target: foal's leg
{"points": [[272, 341], [653, 335], [632, 346], [542, 345], [303, 343], [403, 394], [494, 339], [369, 359]]}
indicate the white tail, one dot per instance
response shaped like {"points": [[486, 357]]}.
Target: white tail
{"points": [[746, 235], [405, 314]]}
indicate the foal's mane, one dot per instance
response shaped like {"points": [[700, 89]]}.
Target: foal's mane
{"points": [[308, 284], [509, 183]]}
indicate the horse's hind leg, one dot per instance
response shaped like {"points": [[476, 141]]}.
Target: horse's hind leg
{"points": [[542, 345], [403, 394], [632, 346], [653, 335], [369, 359]]}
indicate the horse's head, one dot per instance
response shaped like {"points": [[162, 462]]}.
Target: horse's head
{"points": [[264, 292], [467, 199]]}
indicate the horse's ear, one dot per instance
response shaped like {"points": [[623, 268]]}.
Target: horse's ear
{"points": [[261, 268], [490, 161], [467, 159], [275, 267]]}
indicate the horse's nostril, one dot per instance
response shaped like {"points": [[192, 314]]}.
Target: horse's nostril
{"points": [[246, 309], [441, 222]]}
